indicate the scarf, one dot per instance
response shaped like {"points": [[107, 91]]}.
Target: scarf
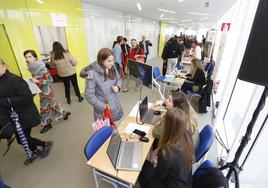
{"points": [[35, 67]]}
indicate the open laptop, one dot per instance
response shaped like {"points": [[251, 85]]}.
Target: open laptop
{"points": [[147, 115], [124, 155]]}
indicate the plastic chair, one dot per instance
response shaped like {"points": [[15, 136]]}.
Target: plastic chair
{"points": [[206, 137], [206, 165], [96, 141], [92, 146], [157, 74]]}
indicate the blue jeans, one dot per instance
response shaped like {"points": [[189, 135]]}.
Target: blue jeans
{"points": [[117, 67]]}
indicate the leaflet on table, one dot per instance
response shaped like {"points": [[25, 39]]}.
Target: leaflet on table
{"points": [[132, 126]]}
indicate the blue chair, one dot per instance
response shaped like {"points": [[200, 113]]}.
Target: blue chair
{"points": [[92, 146], [206, 137], [96, 141], [157, 74], [206, 165]]}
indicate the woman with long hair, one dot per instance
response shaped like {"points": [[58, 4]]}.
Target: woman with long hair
{"points": [[178, 100], [196, 79], [172, 162], [103, 84], [50, 110], [65, 65]]}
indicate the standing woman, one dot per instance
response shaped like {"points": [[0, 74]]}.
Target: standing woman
{"points": [[65, 64], [103, 84], [50, 110]]}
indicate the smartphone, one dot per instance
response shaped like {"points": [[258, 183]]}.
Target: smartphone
{"points": [[140, 133]]}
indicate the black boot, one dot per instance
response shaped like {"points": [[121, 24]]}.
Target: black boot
{"points": [[69, 101], [66, 116], [46, 128], [80, 99]]}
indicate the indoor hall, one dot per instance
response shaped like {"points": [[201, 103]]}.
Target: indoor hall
{"points": [[224, 32]]}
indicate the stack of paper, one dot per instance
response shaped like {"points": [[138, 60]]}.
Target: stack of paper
{"points": [[132, 126]]}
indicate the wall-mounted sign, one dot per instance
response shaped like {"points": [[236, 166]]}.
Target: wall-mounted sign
{"points": [[59, 20], [225, 26]]}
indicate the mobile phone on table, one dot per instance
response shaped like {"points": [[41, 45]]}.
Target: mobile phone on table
{"points": [[139, 132]]}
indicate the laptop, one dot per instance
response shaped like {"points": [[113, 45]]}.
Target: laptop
{"points": [[147, 115], [124, 155]]}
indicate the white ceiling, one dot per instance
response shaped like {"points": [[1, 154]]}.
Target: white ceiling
{"points": [[216, 9]]}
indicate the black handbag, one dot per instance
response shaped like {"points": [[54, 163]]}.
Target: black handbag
{"points": [[7, 130]]}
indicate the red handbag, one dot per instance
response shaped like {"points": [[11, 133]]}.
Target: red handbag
{"points": [[108, 115]]}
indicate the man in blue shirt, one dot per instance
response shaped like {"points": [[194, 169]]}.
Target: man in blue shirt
{"points": [[117, 50]]}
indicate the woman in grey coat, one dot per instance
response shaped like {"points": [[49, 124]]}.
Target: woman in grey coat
{"points": [[103, 84]]}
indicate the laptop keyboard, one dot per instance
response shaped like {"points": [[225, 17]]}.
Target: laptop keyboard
{"points": [[127, 155]]}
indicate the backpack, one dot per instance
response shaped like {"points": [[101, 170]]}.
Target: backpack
{"points": [[211, 178]]}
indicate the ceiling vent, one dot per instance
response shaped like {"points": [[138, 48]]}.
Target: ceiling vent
{"points": [[207, 4]]}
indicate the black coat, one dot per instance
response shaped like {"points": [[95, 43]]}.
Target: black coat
{"points": [[18, 91], [147, 44], [199, 78], [169, 173], [173, 49]]}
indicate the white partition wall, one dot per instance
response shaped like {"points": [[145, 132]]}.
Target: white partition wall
{"points": [[103, 25]]}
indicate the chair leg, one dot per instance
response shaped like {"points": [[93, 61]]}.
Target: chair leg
{"points": [[96, 178]]}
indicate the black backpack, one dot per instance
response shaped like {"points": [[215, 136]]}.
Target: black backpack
{"points": [[211, 178]]}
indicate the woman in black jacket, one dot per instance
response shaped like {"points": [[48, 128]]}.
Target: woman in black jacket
{"points": [[195, 79], [171, 165], [15, 88]]}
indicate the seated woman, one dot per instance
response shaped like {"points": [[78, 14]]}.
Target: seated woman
{"points": [[196, 78], [172, 162], [178, 100]]}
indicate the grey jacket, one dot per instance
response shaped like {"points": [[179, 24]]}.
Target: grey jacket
{"points": [[98, 92]]}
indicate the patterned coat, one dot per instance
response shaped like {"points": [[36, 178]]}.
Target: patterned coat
{"points": [[50, 110], [98, 92]]}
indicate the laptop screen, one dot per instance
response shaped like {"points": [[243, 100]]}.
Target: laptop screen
{"points": [[143, 107], [114, 146]]}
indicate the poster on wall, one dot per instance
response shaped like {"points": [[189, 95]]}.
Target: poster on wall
{"points": [[225, 26], [59, 20]]}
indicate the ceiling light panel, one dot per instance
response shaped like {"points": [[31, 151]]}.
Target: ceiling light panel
{"points": [[139, 6], [165, 10]]}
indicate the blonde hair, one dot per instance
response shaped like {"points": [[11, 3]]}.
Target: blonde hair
{"points": [[181, 101], [196, 63]]}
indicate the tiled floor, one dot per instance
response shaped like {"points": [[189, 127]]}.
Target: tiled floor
{"points": [[66, 167]]}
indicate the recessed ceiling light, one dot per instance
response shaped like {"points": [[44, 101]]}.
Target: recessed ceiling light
{"points": [[185, 20], [139, 6], [40, 1], [92, 13], [162, 15], [197, 13], [205, 18], [167, 18], [180, 1], [164, 10]]}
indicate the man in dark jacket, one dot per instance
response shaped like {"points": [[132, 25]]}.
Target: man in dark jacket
{"points": [[17, 90], [144, 44]]}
